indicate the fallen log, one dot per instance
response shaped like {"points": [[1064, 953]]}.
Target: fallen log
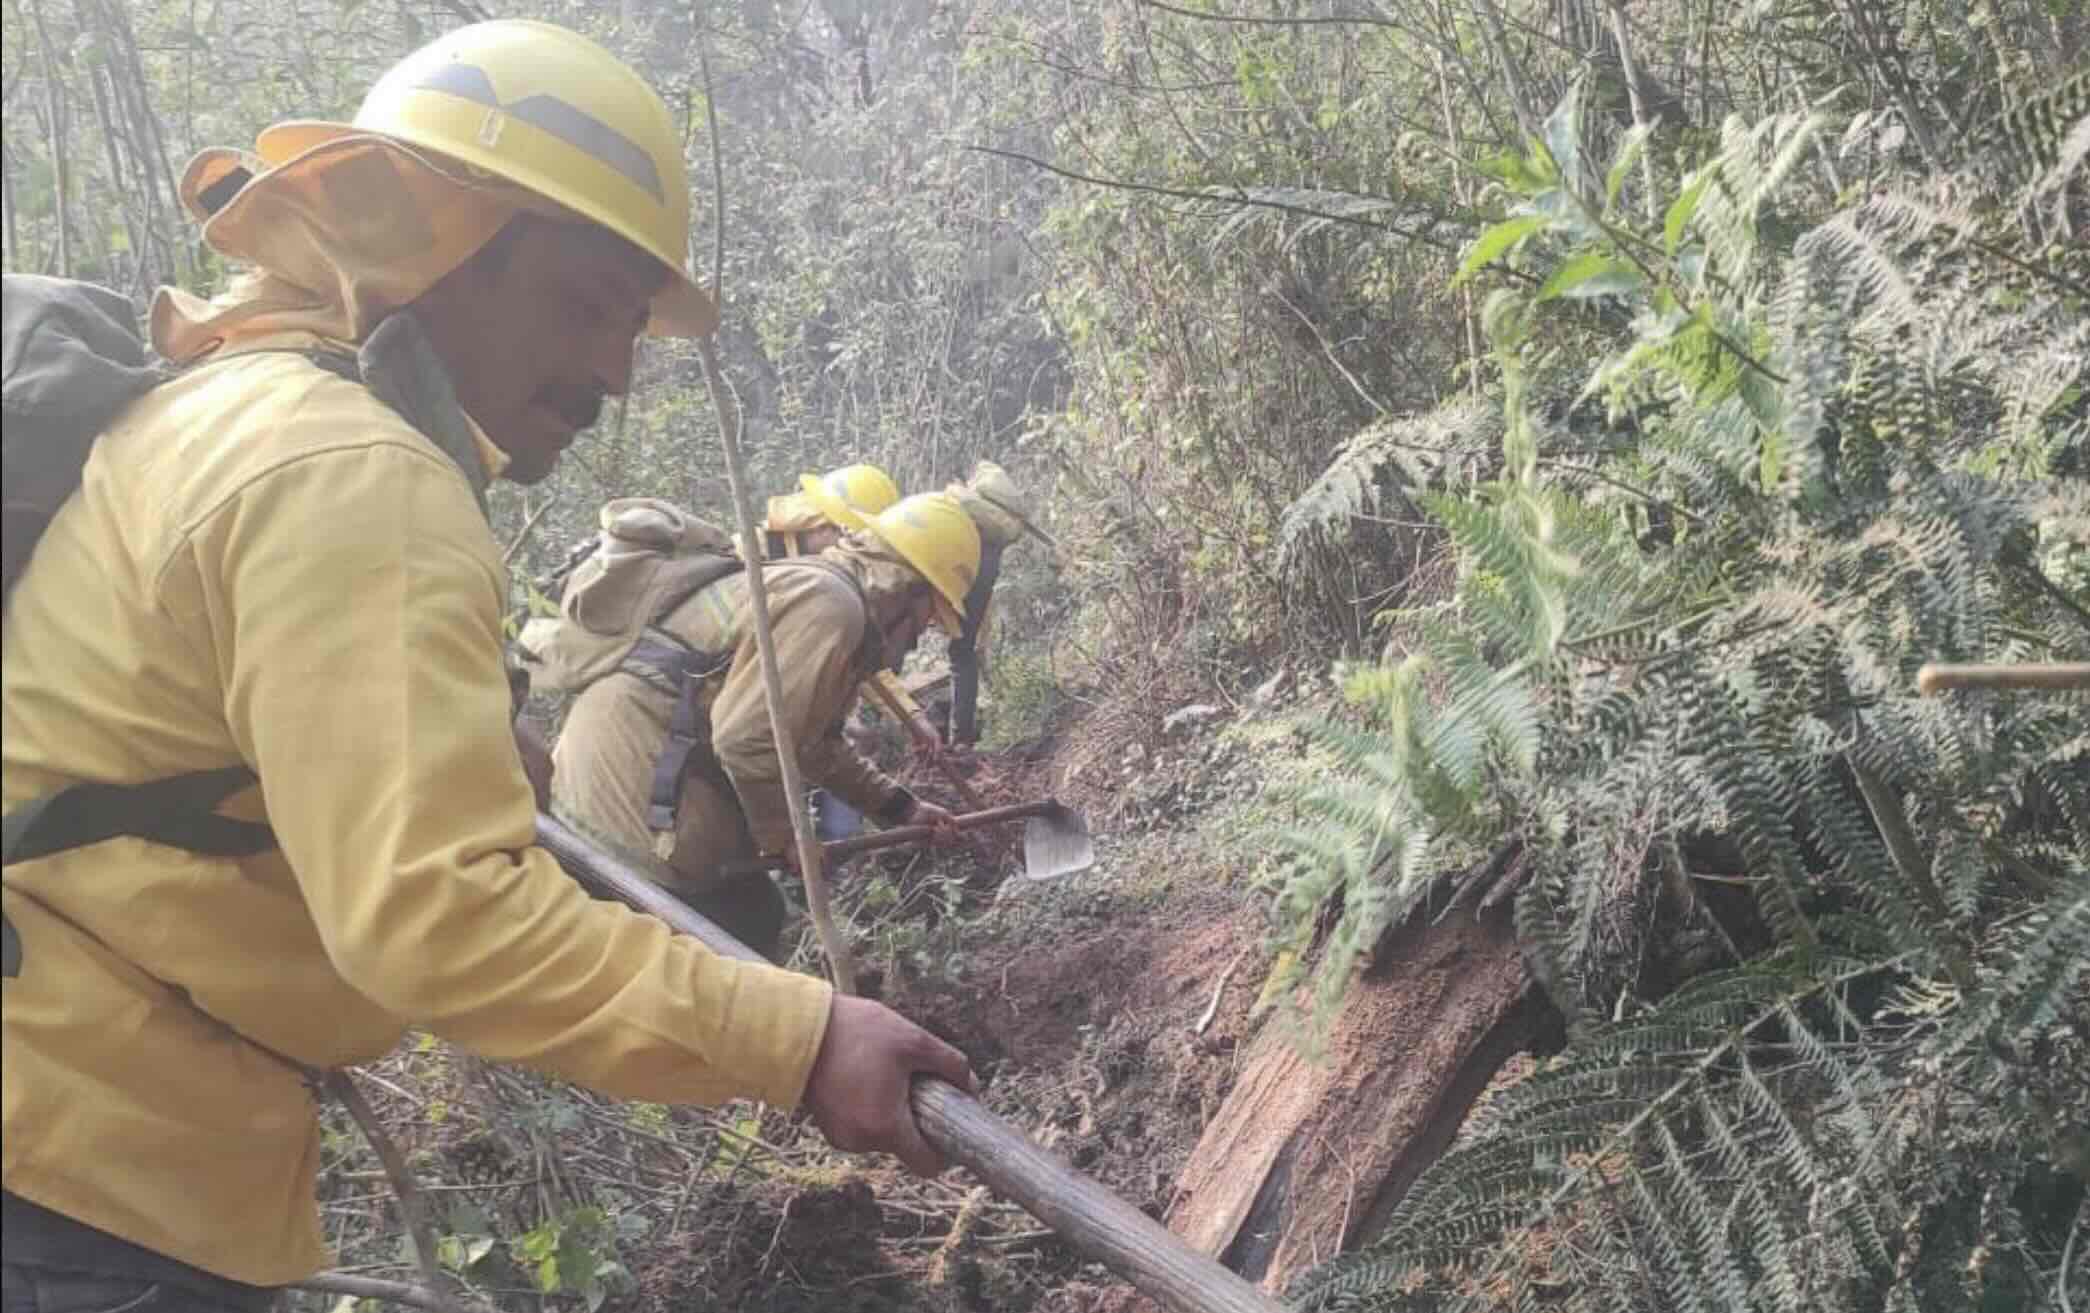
{"points": [[1307, 1157], [1094, 1221]]}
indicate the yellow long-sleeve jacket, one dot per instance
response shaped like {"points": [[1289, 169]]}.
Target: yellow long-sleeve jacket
{"points": [[792, 517], [827, 647], [267, 566]]}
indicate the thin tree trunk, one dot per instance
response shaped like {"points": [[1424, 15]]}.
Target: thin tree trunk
{"points": [[1639, 102], [12, 207], [148, 142], [118, 185], [1460, 190], [841, 962], [54, 93]]}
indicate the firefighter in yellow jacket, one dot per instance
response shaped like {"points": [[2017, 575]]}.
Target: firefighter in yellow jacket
{"points": [[279, 574], [991, 499], [826, 506], [672, 750]]}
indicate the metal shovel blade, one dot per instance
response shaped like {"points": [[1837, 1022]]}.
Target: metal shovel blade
{"points": [[1057, 843]]}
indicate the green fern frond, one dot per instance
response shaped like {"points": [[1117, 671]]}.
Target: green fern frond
{"points": [[2039, 135], [1842, 1121], [2047, 978], [1410, 452]]}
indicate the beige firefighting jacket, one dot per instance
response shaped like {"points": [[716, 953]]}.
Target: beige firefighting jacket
{"points": [[827, 645]]}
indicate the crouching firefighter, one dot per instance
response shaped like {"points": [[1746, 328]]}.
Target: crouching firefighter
{"points": [[264, 809], [826, 506], [990, 497], [668, 745]]}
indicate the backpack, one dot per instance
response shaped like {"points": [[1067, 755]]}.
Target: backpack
{"points": [[71, 359], [650, 557]]}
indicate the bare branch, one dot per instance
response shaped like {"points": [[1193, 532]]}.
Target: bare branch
{"points": [[394, 1292], [466, 10], [1332, 20], [841, 963], [60, 170], [420, 1232], [528, 525], [1180, 193]]}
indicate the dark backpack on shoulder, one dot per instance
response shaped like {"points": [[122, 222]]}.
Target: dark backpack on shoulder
{"points": [[71, 358]]}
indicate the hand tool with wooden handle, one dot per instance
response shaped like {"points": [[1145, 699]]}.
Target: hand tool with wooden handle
{"points": [[1056, 839], [1088, 1217], [2046, 676], [966, 793]]}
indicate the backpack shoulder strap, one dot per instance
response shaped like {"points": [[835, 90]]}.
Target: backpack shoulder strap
{"points": [[391, 365], [177, 811], [689, 732]]}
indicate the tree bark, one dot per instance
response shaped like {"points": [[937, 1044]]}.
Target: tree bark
{"points": [[1306, 1158]]}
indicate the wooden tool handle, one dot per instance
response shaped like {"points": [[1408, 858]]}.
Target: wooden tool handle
{"points": [[949, 771], [900, 836], [1083, 1213], [2048, 676]]}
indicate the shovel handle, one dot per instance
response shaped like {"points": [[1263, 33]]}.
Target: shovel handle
{"points": [[2051, 675], [902, 835], [969, 795]]}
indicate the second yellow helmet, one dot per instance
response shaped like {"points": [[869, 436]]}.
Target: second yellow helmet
{"points": [[851, 495]]}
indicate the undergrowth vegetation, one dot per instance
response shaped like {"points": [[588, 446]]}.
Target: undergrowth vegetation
{"points": [[1632, 396], [1681, 649]]}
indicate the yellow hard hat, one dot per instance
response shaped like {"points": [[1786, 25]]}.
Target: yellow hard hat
{"points": [[851, 495], [932, 533], [553, 113]]}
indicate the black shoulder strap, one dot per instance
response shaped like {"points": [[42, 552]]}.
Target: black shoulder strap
{"points": [[177, 811], [338, 363], [689, 732]]}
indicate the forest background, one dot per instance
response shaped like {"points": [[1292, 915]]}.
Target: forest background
{"points": [[1601, 410]]}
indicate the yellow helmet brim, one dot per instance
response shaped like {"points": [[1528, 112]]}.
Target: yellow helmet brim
{"points": [[680, 308], [834, 508]]}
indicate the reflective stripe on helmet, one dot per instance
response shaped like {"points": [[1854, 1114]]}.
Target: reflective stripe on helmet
{"points": [[570, 124]]}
